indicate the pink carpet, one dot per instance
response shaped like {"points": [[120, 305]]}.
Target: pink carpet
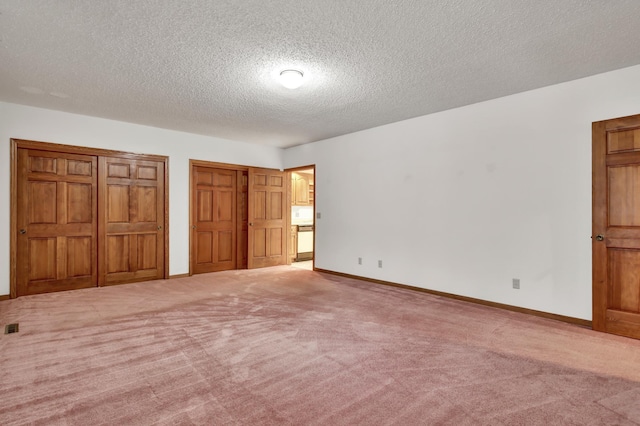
{"points": [[294, 347]]}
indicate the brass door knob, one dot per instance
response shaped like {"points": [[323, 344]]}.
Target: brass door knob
{"points": [[599, 237]]}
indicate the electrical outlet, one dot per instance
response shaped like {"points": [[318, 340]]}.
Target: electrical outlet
{"points": [[379, 263], [516, 283], [359, 261], [318, 215]]}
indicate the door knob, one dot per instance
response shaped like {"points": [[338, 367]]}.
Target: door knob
{"points": [[599, 237], [194, 227], [159, 227], [23, 231]]}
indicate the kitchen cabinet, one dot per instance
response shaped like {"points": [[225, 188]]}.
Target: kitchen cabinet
{"points": [[302, 189]]}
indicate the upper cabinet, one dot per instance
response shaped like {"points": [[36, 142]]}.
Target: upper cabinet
{"points": [[302, 189]]}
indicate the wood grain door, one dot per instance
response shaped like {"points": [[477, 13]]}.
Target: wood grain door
{"points": [[214, 220], [243, 217], [616, 226], [267, 218], [132, 208], [56, 222]]}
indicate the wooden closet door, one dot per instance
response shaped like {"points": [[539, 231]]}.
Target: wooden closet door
{"points": [[214, 220], [267, 218], [616, 226], [132, 208], [56, 222], [243, 217]]}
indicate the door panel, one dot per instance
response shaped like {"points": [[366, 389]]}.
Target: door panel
{"points": [[79, 260], [267, 220], [56, 210], [133, 211], [275, 241], [616, 226], [214, 220], [43, 258], [259, 243], [76, 212], [147, 251]]}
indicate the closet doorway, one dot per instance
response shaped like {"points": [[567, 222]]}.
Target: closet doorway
{"points": [[84, 217], [238, 217]]}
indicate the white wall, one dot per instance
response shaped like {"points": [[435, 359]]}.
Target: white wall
{"points": [[464, 200], [17, 121]]}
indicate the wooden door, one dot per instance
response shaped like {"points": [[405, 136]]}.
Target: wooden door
{"points": [[56, 222], [243, 217], [267, 218], [616, 226], [214, 220], [132, 207]]}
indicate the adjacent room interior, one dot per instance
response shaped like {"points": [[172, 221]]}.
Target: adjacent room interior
{"points": [[319, 212]]}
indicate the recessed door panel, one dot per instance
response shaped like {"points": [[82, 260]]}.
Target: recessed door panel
{"points": [[79, 260], [276, 241], [147, 173], [79, 168], [117, 253], [42, 259], [225, 206], [204, 247], [225, 246], [41, 164], [43, 207], [624, 196], [118, 204], [623, 141], [259, 245], [260, 207], [79, 202], [204, 205], [147, 251], [276, 206], [147, 204], [118, 170], [624, 276]]}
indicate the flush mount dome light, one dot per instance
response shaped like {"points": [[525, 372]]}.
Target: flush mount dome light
{"points": [[291, 79]]}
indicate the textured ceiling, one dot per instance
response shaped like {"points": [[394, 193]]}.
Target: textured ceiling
{"points": [[209, 66]]}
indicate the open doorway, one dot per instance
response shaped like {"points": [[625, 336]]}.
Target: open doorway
{"points": [[302, 234]]}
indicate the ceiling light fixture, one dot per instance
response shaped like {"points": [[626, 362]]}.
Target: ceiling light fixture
{"points": [[291, 79]]}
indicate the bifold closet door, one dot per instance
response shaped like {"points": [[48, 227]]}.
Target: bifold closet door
{"points": [[56, 245], [132, 208]]}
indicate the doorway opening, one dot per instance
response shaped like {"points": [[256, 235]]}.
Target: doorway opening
{"points": [[302, 212]]}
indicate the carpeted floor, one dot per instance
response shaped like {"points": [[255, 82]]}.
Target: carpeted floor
{"points": [[289, 346]]}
